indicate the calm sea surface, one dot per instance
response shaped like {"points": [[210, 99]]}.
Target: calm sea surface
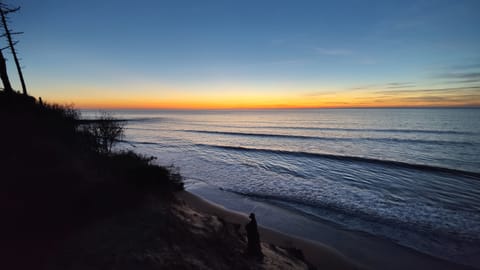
{"points": [[409, 175]]}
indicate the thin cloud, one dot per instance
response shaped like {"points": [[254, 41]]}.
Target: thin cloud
{"points": [[463, 75], [470, 99], [429, 90], [439, 100], [458, 96], [426, 99], [399, 85], [468, 73], [463, 81], [392, 85], [363, 87], [320, 93], [465, 67], [458, 86]]}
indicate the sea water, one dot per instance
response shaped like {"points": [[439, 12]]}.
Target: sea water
{"points": [[408, 175]]}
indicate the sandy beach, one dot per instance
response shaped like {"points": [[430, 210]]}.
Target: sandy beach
{"points": [[358, 251], [319, 255]]}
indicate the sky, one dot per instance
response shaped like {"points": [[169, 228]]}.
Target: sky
{"points": [[250, 54]]}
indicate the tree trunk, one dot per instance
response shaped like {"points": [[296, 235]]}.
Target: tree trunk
{"points": [[4, 75], [11, 45]]}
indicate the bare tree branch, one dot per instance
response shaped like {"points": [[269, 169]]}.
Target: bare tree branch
{"points": [[4, 10]]}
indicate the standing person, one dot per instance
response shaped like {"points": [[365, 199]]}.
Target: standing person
{"points": [[253, 237]]}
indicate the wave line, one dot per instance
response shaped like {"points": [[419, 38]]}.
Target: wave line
{"points": [[390, 163]]}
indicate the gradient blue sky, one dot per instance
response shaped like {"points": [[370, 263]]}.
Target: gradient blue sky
{"points": [[212, 54]]}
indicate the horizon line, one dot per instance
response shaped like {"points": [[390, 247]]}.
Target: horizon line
{"points": [[281, 108]]}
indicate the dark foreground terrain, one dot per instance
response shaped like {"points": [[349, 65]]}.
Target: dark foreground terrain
{"points": [[68, 202]]}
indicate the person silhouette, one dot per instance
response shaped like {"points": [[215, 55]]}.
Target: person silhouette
{"points": [[253, 237]]}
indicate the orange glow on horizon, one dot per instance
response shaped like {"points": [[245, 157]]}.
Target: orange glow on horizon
{"points": [[252, 98], [247, 104]]}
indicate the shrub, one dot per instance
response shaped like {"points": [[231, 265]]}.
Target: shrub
{"points": [[106, 130], [142, 173]]}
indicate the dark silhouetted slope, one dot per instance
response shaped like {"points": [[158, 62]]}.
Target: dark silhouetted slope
{"points": [[53, 180]]}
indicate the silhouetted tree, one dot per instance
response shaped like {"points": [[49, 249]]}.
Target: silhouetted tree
{"points": [[8, 33], [4, 75], [106, 130]]}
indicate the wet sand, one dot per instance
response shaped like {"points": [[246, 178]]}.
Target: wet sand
{"points": [[339, 249], [319, 255]]}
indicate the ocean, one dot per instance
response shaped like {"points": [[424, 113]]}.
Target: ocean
{"points": [[411, 176]]}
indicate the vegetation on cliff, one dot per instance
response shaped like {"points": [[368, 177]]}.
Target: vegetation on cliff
{"points": [[57, 176]]}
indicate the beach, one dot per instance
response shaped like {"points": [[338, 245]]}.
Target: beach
{"points": [[334, 249], [319, 255]]}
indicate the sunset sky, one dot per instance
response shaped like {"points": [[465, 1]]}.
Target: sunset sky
{"points": [[250, 54]]}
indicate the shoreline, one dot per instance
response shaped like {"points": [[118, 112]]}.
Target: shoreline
{"points": [[319, 255], [348, 248]]}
